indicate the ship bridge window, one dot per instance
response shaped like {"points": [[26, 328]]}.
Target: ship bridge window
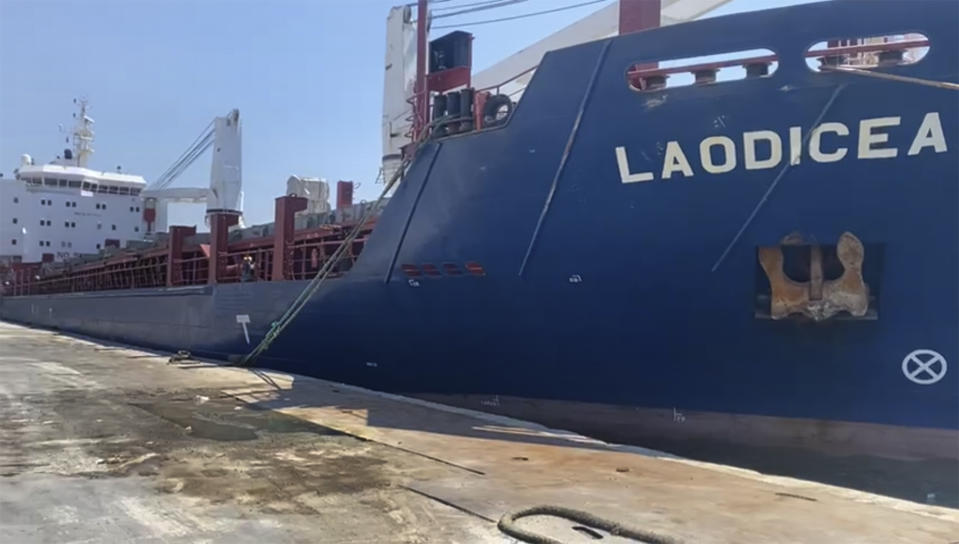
{"points": [[101, 188], [124, 190], [62, 182], [656, 75], [74, 184], [50, 182], [135, 192], [867, 53], [114, 189]]}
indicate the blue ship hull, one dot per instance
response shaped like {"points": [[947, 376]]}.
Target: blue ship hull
{"points": [[602, 306]]}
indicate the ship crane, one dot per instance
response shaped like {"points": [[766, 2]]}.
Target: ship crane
{"points": [[225, 192]]}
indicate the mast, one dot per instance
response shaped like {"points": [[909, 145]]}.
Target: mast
{"points": [[82, 134]]}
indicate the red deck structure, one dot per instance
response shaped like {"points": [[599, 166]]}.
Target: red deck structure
{"points": [[184, 259]]}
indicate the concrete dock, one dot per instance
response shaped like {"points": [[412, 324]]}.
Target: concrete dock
{"points": [[107, 443]]}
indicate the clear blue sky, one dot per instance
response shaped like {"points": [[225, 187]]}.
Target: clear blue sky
{"points": [[307, 76]]}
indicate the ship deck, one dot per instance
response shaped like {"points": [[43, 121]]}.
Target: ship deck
{"points": [[105, 443]]}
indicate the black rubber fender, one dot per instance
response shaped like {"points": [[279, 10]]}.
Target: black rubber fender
{"points": [[491, 108]]}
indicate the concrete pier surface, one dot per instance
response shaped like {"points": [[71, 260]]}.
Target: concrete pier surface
{"points": [[107, 443]]}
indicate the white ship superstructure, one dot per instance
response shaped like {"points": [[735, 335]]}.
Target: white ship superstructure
{"points": [[49, 212]]}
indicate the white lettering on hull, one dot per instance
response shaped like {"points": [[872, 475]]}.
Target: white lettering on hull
{"points": [[624, 173], [815, 142], [706, 154], [867, 138], [749, 149], [676, 161], [929, 134], [763, 149]]}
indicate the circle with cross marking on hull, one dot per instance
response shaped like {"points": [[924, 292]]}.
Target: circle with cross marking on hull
{"points": [[924, 366]]}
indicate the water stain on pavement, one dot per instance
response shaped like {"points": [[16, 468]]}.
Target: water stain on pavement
{"points": [[206, 445]]}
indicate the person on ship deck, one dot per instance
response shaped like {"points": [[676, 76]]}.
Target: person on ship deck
{"points": [[248, 273]]}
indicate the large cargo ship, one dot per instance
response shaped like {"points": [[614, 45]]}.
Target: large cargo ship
{"points": [[770, 260]]}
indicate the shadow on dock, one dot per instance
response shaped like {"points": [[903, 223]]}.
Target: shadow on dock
{"points": [[933, 481]]}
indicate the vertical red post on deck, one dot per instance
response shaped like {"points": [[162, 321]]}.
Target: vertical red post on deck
{"points": [[284, 231], [636, 15], [344, 194], [220, 224], [174, 269], [420, 102]]}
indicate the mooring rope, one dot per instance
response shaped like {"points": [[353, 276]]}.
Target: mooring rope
{"points": [[311, 288], [277, 326], [508, 525], [893, 77]]}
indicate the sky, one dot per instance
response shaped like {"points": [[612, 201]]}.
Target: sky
{"points": [[306, 75]]}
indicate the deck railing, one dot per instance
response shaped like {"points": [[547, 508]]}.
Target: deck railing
{"points": [[308, 252]]}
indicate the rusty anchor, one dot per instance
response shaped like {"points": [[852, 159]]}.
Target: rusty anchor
{"points": [[816, 298]]}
